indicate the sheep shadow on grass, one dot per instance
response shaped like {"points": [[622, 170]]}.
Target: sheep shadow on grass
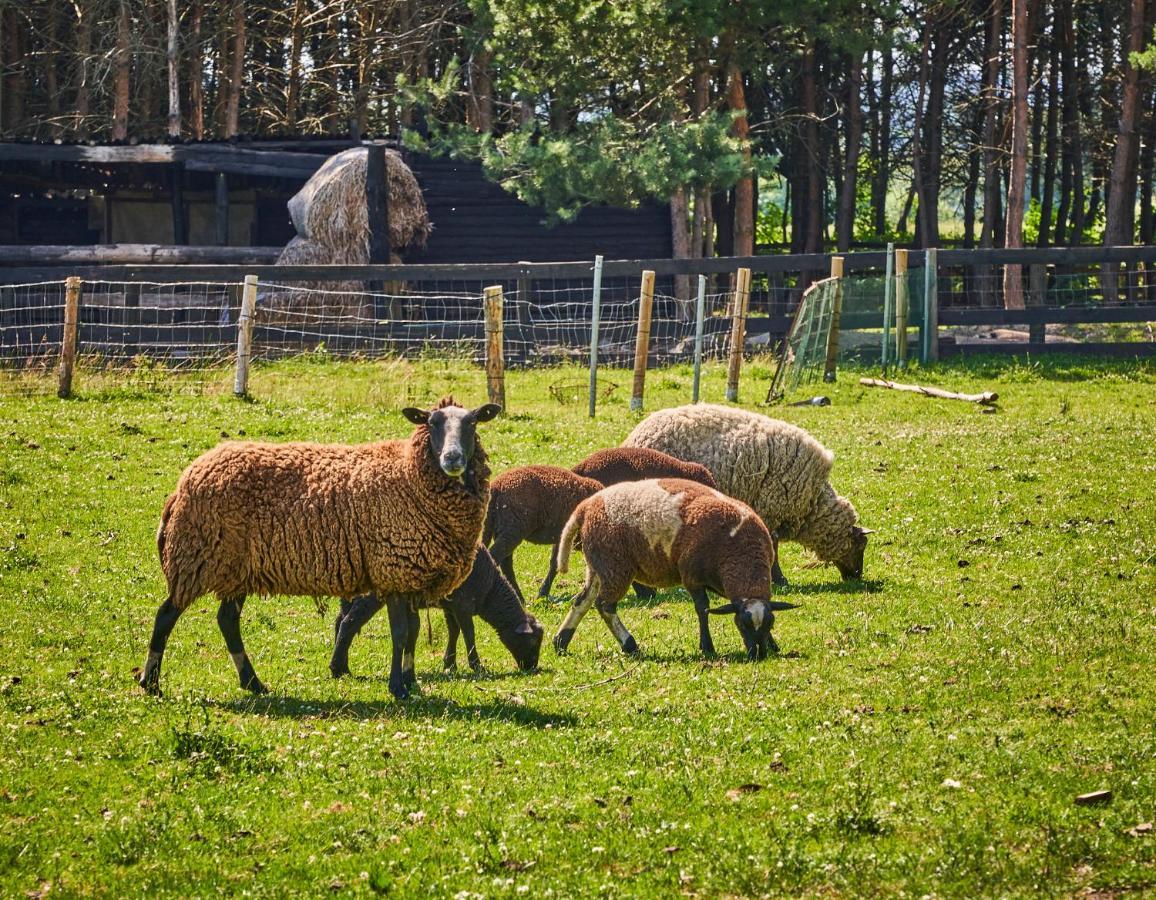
{"points": [[415, 707], [853, 586]]}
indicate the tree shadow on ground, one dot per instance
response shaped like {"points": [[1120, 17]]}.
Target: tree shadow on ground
{"points": [[416, 707]]}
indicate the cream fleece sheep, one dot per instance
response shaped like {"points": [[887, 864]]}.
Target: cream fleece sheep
{"points": [[775, 467]]}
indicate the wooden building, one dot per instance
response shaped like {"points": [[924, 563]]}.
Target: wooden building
{"points": [[218, 194]]}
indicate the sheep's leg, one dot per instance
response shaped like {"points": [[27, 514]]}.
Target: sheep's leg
{"points": [[399, 633], [544, 590], [582, 604], [229, 621], [702, 607], [413, 626], [608, 609], [361, 610], [341, 614], [777, 576], [644, 591], [467, 626], [450, 659], [503, 552], [167, 615]]}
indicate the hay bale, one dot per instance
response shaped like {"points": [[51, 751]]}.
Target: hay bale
{"points": [[330, 209]]}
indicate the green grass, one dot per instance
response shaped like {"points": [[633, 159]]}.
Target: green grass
{"points": [[1003, 643]]}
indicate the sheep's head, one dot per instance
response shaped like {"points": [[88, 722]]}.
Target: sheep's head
{"points": [[850, 562], [754, 620], [452, 432], [524, 642]]}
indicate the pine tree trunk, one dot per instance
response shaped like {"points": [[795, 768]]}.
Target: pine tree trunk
{"points": [[882, 181], [123, 62], [196, 73], [236, 71], [51, 79], [844, 233], [744, 211], [1119, 227], [699, 104], [811, 163], [1013, 289], [83, 92], [172, 58], [990, 99], [293, 88], [1051, 142], [917, 162]]}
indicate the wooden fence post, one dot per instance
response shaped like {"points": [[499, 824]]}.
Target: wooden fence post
{"points": [[245, 335], [595, 318], [901, 308], [495, 360], [699, 324], [68, 338], [642, 340], [836, 317], [930, 330], [888, 293], [739, 306]]}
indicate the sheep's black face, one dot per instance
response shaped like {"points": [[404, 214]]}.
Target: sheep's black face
{"points": [[754, 620], [851, 566], [452, 433], [525, 643]]}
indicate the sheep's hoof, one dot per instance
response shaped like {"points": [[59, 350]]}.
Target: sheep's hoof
{"points": [[339, 668], [630, 647], [450, 663], [151, 685], [562, 640], [255, 687], [399, 688]]}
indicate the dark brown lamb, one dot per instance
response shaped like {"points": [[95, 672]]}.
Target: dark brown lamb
{"points": [[615, 465], [398, 518]]}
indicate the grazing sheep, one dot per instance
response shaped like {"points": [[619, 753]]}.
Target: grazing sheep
{"points": [[776, 467], [398, 518], [670, 531], [615, 465], [531, 503], [485, 593]]}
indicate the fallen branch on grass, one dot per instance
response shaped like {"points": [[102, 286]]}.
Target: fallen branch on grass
{"points": [[987, 398]]}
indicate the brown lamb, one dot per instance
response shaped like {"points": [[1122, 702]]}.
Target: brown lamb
{"points": [[397, 518], [664, 532], [615, 465]]}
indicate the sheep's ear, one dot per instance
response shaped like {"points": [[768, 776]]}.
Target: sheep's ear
{"points": [[723, 610], [780, 605], [864, 531], [486, 412], [415, 415]]}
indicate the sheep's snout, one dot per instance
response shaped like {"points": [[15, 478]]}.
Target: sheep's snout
{"points": [[453, 463], [525, 643]]}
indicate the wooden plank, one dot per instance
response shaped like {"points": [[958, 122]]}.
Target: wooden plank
{"points": [[53, 255], [1130, 350], [1046, 315]]}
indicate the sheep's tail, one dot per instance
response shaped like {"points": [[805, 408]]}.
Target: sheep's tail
{"points": [[569, 535], [163, 527]]}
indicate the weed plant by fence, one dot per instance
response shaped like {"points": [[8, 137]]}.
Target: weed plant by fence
{"points": [[187, 317]]}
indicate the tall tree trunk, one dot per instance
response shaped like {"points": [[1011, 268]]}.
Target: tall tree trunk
{"points": [[1119, 227], [172, 58], [699, 104], [680, 246], [296, 42], [83, 92], [1051, 142], [1070, 217], [1147, 163], [123, 62], [882, 180], [933, 131], [811, 164], [744, 212], [971, 186], [1013, 289], [51, 78], [236, 71], [917, 162], [196, 73], [991, 173], [844, 232]]}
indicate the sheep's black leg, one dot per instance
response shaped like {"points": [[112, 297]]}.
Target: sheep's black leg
{"points": [[544, 590], [467, 626], [609, 612], [229, 621], [450, 659], [361, 610], [341, 614], [399, 633], [413, 626], [701, 607], [644, 591], [150, 677], [777, 576], [503, 552]]}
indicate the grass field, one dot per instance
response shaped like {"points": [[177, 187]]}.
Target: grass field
{"points": [[925, 731]]}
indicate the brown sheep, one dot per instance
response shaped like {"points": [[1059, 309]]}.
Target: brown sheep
{"points": [[398, 518], [615, 465], [664, 532]]}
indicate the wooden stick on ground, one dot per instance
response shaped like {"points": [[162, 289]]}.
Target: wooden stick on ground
{"points": [[987, 398]]}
